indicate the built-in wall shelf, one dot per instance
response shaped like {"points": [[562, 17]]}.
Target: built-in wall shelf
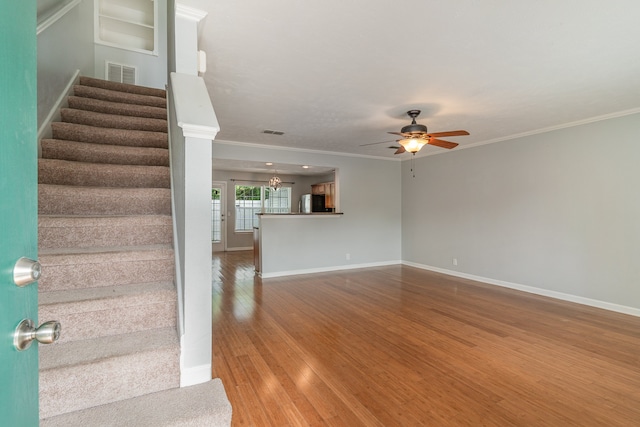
{"points": [[127, 24]]}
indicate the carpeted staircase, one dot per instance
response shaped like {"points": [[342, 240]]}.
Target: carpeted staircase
{"points": [[105, 245]]}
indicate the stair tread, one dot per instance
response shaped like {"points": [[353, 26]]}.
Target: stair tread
{"points": [[103, 166], [198, 405], [72, 220], [115, 121], [86, 351], [101, 135], [120, 108], [57, 199], [103, 231], [75, 173], [108, 296], [119, 96], [124, 251], [103, 153], [122, 87]]}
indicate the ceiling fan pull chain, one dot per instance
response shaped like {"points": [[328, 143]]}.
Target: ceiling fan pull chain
{"points": [[413, 172]]}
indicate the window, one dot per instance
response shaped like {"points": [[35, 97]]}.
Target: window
{"points": [[251, 200], [248, 204], [216, 216], [278, 201]]}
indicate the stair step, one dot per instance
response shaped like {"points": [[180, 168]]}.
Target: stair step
{"points": [[119, 96], [70, 200], [80, 374], [101, 153], [110, 310], [64, 172], [113, 121], [109, 107], [122, 87], [199, 405], [103, 231], [97, 267], [100, 135]]}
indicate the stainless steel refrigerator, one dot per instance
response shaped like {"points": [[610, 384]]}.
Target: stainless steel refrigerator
{"points": [[305, 203]]}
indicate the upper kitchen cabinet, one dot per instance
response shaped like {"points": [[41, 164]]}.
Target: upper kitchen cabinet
{"points": [[127, 24], [328, 190]]}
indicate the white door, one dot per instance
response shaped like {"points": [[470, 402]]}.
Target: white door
{"points": [[218, 223]]}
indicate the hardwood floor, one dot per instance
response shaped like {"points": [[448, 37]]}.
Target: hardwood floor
{"points": [[399, 346]]}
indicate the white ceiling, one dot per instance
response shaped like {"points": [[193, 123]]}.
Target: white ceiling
{"points": [[335, 74]]}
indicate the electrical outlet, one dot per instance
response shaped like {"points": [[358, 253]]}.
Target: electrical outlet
{"points": [[347, 256], [455, 261]]}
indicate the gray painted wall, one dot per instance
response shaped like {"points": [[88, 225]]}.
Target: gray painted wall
{"points": [[559, 211], [369, 230], [64, 48]]}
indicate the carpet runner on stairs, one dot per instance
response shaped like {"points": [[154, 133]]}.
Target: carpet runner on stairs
{"points": [[105, 245]]}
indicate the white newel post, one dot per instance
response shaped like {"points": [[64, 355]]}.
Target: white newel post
{"points": [[193, 126]]}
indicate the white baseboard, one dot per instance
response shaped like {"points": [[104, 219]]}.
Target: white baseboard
{"points": [[249, 248], [195, 375], [533, 290], [327, 269]]}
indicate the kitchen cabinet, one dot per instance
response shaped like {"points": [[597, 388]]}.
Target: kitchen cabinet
{"points": [[328, 189]]}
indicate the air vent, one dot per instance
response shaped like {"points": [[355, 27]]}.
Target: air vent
{"points": [[121, 73], [273, 132]]}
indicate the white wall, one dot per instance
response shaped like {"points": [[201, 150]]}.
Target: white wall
{"points": [[369, 230], [63, 48], [559, 212]]}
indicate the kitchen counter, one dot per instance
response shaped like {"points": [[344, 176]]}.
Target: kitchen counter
{"points": [[300, 214]]}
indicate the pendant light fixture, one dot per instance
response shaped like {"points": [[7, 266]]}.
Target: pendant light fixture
{"points": [[275, 183]]}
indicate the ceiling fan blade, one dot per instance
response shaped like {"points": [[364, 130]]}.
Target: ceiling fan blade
{"points": [[375, 143], [404, 135], [442, 144], [449, 133], [400, 150]]}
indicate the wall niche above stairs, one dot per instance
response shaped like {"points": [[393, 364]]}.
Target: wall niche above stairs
{"points": [[127, 24]]}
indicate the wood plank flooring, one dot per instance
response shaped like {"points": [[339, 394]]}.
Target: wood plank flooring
{"points": [[399, 346]]}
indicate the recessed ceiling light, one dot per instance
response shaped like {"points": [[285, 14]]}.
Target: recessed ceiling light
{"points": [[269, 164], [305, 167]]}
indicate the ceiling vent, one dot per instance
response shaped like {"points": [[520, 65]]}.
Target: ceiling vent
{"points": [[273, 132], [121, 73]]}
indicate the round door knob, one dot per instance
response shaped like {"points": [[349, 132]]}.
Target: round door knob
{"points": [[26, 271], [26, 332]]}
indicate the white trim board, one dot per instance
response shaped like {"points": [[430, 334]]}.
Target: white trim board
{"points": [[195, 375], [533, 290], [237, 249], [327, 269]]}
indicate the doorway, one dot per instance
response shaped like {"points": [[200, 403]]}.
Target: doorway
{"points": [[218, 210]]}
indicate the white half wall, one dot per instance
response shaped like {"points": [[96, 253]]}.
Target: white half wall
{"points": [[558, 212]]}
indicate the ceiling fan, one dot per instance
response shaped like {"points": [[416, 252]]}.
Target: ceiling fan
{"points": [[415, 136]]}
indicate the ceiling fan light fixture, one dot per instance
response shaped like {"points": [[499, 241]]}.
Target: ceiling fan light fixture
{"points": [[412, 145]]}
